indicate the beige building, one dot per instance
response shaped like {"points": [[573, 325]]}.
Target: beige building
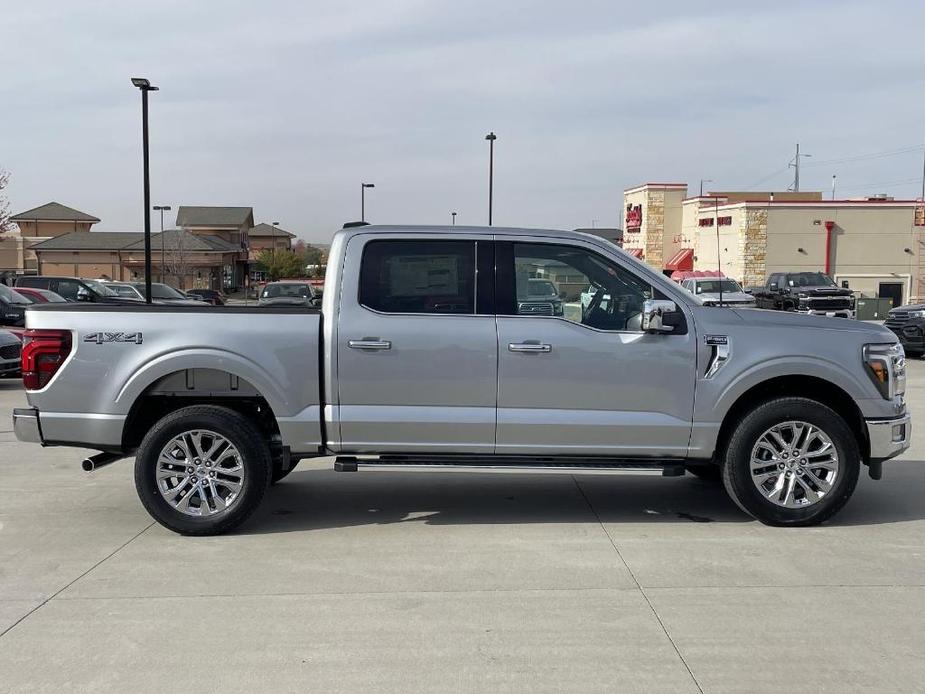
{"points": [[34, 226], [875, 245]]}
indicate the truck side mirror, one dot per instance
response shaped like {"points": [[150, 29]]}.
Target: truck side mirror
{"points": [[660, 316], [773, 287], [844, 284], [83, 294]]}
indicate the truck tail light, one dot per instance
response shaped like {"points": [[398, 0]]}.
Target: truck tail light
{"points": [[43, 353]]}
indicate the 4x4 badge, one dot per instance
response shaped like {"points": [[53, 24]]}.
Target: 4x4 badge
{"points": [[100, 338]]}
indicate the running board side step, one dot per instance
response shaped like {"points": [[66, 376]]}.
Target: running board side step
{"points": [[511, 464]]}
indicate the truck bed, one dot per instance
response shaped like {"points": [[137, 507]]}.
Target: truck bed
{"points": [[121, 353]]}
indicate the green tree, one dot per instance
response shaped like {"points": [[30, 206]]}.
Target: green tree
{"points": [[280, 263]]}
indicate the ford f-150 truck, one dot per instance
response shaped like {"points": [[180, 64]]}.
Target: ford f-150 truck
{"points": [[805, 292], [421, 357]]}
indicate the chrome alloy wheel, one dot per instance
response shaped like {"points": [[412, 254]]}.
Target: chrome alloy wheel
{"points": [[794, 464], [199, 473]]}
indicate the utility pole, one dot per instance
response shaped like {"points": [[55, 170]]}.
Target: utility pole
{"points": [[702, 181], [719, 257], [833, 185], [796, 169], [454, 218]]}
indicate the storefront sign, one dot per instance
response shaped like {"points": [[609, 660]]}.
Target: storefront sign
{"points": [[633, 218]]}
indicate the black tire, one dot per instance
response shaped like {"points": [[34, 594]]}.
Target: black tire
{"points": [[737, 473], [708, 472], [255, 459], [278, 473]]}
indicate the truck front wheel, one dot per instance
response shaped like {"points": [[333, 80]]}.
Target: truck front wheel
{"points": [[791, 462], [202, 470]]}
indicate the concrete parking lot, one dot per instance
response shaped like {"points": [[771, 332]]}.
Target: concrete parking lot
{"points": [[379, 582]]}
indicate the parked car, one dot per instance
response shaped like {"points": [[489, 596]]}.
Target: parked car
{"points": [[10, 349], [719, 291], [539, 297], [908, 323], [12, 306], [126, 290], [165, 294], [210, 296], [287, 293], [40, 296], [214, 406], [74, 289], [814, 293]]}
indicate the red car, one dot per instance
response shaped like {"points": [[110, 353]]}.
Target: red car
{"points": [[40, 296]]}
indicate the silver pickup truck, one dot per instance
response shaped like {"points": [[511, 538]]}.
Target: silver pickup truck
{"points": [[421, 357]]}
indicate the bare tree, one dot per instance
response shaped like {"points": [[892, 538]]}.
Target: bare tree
{"points": [[176, 262], [5, 223]]}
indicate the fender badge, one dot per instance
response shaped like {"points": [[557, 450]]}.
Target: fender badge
{"points": [[716, 339], [100, 338]]}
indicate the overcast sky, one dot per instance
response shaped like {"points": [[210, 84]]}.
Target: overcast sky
{"points": [[287, 106]]}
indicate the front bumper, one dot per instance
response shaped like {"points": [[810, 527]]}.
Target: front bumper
{"points": [[832, 313], [888, 437], [26, 425], [911, 335]]}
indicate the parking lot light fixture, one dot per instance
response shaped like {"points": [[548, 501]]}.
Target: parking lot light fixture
{"points": [[145, 86], [363, 187]]}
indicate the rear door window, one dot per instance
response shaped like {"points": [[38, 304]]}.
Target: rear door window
{"points": [[408, 276]]}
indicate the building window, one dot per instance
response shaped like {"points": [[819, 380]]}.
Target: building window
{"points": [[724, 221], [706, 222]]}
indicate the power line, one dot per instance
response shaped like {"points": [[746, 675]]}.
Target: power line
{"points": [[768, 177], [865, 157]]}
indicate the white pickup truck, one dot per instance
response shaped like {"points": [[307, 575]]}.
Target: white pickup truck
{"points": [[420, 356]]}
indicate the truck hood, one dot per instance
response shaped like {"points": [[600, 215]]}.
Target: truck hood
{"points": [[786, 319], [909, 307]]}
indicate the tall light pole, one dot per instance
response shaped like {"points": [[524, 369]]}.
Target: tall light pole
{"points": [[363, 187], [702, 181], [145, 86], [162, 209], [453, 215], [491, 137]]}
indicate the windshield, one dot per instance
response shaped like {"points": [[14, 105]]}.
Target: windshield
{"points": [[715, 286], [810, 279], [11, 297], [124, 290], [161, 291], [100, 288], [295, 291], [541, 288]]}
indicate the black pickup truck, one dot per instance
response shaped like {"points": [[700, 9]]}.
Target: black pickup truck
{"points": [[908, 322], [805, 292]]}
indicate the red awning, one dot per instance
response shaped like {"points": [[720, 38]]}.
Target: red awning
{"points": [[682, 260], [635, 252]]}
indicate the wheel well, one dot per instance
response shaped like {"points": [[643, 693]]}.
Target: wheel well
{"points": [[197, 387], [810, 387]]}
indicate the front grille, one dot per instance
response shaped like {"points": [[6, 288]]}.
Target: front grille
{"points": [[829, 304], [10, 351], [535, 308], [898, 316]]}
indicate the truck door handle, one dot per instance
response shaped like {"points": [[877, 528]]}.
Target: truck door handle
{"points": [[528, 347], [369, 344]]}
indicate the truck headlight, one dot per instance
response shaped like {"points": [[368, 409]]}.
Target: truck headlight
{"points": [[916, 314], [886, 365]]}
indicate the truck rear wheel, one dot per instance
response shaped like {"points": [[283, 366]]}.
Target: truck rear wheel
{"points": [[791, 462], [202, 470]]}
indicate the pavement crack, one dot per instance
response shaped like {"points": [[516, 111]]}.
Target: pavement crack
{"points": [[68, 585], [638, 585]]}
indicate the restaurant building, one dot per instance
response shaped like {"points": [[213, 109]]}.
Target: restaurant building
{"points": [[874, 245]]}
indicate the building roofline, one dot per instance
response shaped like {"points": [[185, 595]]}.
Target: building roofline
{"points": [[663, 186], [818, 203]]}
